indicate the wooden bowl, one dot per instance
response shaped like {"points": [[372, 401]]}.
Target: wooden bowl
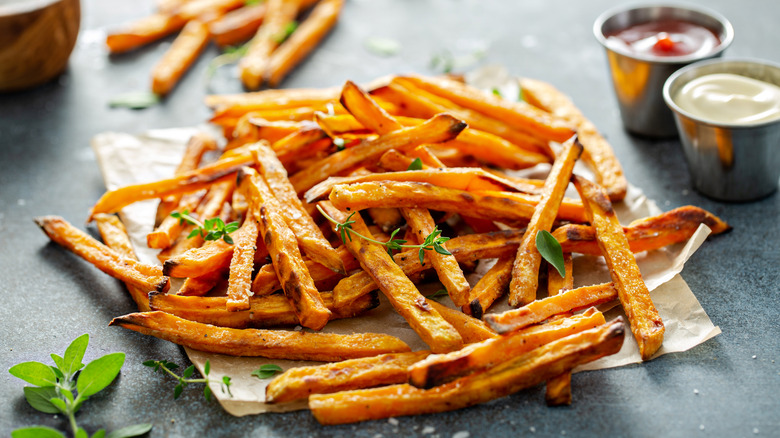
{"points": [[36, 39]]}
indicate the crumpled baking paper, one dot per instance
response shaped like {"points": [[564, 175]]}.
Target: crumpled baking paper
{"points": [[126, 159]]}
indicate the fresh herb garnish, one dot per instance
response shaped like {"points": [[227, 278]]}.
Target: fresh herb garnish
{"points": [[185, 379], [134, 100], [432, 242], [496, 92], [416, 164], [58, 391], [551, 250], [382, 46], [285, 33], [253, 2], [212, 229], [438, 294], [266, 371], [230, 55], [339, 143]]}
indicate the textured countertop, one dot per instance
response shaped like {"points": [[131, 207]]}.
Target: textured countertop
{"points": [[729, 386]]}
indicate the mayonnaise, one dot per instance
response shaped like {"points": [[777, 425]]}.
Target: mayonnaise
{"points": [[730, 98]]}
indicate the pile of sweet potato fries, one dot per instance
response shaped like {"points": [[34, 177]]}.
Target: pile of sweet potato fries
{"points": [[342, 192]]}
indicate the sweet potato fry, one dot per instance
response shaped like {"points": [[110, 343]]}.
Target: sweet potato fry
{"points": [[143, 31], [518, 373], [400, 291], [470, 329], [170, 227], [177, 60], [305, 38], [598, 154], [539, 310], [299, 383], [144, 277], [497, 206], [199, 286], [308, 234], [492, 286], [273, 344], [115, 237], [647, 234], [237, 105], [282, 246], [237, 26], [263, 312], [438, 369], [266, 281], [525, 272], [207, 10], [440, 128], [646, 324], [241, 265], [555, 283], [275, 130], [278, 15]]}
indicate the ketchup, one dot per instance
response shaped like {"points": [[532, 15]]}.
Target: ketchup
{"points": [[664, 38]]}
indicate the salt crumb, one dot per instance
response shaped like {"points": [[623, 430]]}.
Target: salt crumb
{"points": [[696, 391], [428, 430], [755, 431], [532, 429], [754, 356], [701, 427], [461, 434], [393, 421]]}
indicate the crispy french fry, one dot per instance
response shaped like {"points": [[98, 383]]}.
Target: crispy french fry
{"points": [[143, 31], [539, 310], [492, 286], [306, 231], [273, 344], [237, 105], [115, 237], [264, 312], [440, 128], [278, 15], [144, 277], [492, 205], [237, 26], [525, 272], [241, 265], [199, 286], [177, 60], [470, 329], [266, 281], [598, 154], [400, 291], [520, 115], [275, 130], [286, 257], [646, 324], [647, 234], [305, 38], [299, 383], [518, 373], [438, 369]]}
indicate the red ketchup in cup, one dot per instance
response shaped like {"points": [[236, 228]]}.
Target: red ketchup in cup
{"points": [[664, 38]]}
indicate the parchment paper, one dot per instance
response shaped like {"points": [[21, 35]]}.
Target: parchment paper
{"points": [[126, 159]]}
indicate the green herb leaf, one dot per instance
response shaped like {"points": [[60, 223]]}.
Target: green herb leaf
{"points": [[134, 100], [550, 249], [130, 431], [207, 368], [438, 294], [253, 2], [382, 46], [178, 390], [39, 398], [289, 28], [59, 361], [266, 371], [36, 432], [59, 404], [226, 382], [207, 393], [188, 372], [100, 433], [74, 355], [99, 373], [416, 164], [35, 373], [81, 433], [496, 92], [339, 143]]}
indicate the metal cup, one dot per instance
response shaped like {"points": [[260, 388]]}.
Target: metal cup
{"points": [[639, 79], [729, 162]]}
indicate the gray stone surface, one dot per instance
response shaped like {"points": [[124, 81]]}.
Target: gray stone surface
{"points": [[50, 296]]}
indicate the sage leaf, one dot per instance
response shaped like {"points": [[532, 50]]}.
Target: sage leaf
{"points": [[74, 354], [39, 398], [130, 431], [99, 373], [36, 432], [35, 373], [550, 249]]}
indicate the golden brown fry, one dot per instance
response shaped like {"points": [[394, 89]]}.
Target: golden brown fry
{"points": [[115, 237], [275, 130], [492, 286], [646, 324], [299, 383], [520, 115], [305, 38], [199, 286], [273, 344], [241, 265], [470, 329], [440, 128], [143, 276], [518, 373], [497, 206], [525, 272], [646, 234], [237, 26], [266, 281], [539, 310], [183, 52], [282, 246], [307, 233], [366, 111], [400, 291], [207, 10], [438, 369], [170, 227], [559, 390], [237, 105], [253, 66], [264, 312], [143, 31], [598, 154]]}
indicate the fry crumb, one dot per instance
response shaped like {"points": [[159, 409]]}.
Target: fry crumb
{"points": [[754, 356]]}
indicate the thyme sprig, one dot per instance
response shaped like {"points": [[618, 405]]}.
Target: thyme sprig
{"points": [[211, 229]]}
